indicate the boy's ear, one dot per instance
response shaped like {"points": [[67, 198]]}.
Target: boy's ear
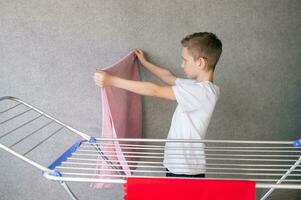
{"points": [[202, 63]]}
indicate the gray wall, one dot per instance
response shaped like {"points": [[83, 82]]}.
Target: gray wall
{"points": [[49, 50]]}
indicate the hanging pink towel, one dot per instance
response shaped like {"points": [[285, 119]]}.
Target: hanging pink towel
{"points": [[179, 189], [121, 118]]}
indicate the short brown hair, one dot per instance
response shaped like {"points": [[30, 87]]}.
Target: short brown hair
{"points": [[204, 44]]}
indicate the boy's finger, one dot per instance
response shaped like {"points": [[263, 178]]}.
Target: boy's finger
{"points": [[99, 70], [96, 78]]}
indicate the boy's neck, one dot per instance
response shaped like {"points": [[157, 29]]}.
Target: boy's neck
{"points": [[207, 76]]}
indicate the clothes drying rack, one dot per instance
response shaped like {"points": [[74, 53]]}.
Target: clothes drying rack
{"points": [[272, 164]]}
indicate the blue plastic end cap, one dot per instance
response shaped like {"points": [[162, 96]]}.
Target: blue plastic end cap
{"points": [[297, 143], [92, 140], [56, 173]]}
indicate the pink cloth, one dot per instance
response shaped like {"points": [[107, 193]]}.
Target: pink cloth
{"points": [[121, 118]]}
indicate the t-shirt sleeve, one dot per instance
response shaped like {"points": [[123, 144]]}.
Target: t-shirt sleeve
{"points": [[191, 96], [184, 81]]}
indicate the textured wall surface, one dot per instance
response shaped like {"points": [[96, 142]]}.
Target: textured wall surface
{"points": [[49, 51]]}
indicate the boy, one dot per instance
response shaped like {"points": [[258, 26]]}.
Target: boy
{"points": [[196, 98]]}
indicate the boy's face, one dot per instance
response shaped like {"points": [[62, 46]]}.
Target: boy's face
{"points": [[190, 67]]}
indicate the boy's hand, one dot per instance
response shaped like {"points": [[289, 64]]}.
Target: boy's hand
{"points": [[102, 78], [139, 53]]}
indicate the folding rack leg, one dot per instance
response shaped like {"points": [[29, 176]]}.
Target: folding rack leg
{"points": [[44, 169], [282, 178], [69, 191]]}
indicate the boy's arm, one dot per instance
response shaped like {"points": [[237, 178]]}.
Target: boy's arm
{"points": [[163, 74], [103, 79]]}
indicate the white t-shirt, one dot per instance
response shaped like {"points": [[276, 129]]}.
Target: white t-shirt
{"points": [[196, 102]]}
